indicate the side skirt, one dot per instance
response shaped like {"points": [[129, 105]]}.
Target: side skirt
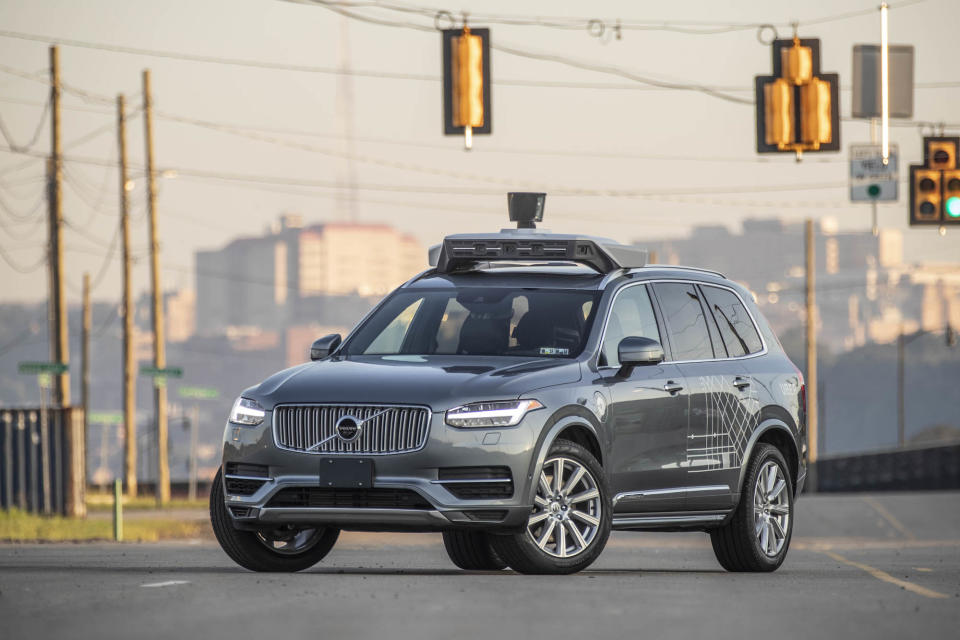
{"points": [[673, 521]]}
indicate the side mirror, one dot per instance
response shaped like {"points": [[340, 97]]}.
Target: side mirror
{"points": [[634, 351], [324, 346]]}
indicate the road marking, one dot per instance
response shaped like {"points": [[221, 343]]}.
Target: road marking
{"points": [[886, 515], [923, 569], [886, 577], [168, 583]]}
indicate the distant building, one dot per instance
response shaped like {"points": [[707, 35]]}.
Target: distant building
{"points": [[327, 274]]}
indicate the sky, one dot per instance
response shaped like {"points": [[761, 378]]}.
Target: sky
{"points": [[240, 144]]}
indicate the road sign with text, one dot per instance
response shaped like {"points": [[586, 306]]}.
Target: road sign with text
{"points": [[870, 179]]}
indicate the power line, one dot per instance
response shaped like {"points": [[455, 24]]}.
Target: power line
{"points": [[19, 268], [33, 138]]}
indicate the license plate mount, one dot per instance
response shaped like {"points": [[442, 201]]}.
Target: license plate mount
{"points": [[346, 473]]}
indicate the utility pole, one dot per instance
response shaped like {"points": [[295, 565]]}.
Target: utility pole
{"points": [[811, 381], [129, 382], [59, 340], [159, 348], [85, 370], [194, 429]]}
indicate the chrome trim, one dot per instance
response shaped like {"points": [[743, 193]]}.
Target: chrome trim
{"points": [[661, 492], [484, 480], [683, 268], [427, 419], [233, 477], [657, 520], [753, 319]]}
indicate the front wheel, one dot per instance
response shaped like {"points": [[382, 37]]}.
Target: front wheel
{"points": [[570, 521], [285, 548], [758, 535], [472, 551]]}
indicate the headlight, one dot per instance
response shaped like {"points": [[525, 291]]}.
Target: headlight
{"points": [[246, 411], [491, 414]]}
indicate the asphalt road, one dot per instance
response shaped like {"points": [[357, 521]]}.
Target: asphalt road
{"points": [[861, 566]]}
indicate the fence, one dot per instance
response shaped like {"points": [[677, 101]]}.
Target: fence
{"points": [[914, 469], [42, 467]]}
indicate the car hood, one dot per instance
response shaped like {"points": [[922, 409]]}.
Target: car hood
{"points": [[440, 382]]}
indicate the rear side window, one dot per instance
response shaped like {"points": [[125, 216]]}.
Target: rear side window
{"points": [[737, 331], [686, 324]]}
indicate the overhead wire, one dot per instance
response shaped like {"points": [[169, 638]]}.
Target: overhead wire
{"points": [[32, 140]]}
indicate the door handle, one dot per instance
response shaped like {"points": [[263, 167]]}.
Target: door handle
{"points": [[741, 383], [672, 387]]}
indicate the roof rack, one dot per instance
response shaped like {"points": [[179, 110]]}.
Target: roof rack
{"points": [[463, 251]]}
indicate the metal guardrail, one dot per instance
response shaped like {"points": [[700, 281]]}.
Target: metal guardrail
{"points": [[42, 460], [913, 469]]}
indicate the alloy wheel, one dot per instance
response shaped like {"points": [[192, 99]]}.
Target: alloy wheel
{"points": [[567, 507], [771, 509]]}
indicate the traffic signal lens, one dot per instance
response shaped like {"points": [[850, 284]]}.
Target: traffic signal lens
{"points": [[953, 184], [953, 206], [927, 185], [927, 208], [941, 157]]}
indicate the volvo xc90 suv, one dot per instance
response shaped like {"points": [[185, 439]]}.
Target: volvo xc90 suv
{"points": [[524, 396]]}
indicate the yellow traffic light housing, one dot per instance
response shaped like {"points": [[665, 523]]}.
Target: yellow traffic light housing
{"points": [[798, 108], [935, 184], [466, 82]]}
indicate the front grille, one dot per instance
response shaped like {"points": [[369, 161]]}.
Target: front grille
{"points": [[477, 483], [388, 428], [349, 498]]}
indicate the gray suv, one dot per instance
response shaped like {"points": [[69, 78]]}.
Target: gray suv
{"points": [[526, 395]]}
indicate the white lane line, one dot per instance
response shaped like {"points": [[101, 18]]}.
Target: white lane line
{"points": [[168, 583], [886, 577]]}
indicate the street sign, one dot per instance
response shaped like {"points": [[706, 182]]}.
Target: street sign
{"points": [[200, 393], [41, 368], [105, 417], [166, 372], [870, 179]]}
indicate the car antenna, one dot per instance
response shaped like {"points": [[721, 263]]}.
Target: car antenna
{"points": [[526, 209]]}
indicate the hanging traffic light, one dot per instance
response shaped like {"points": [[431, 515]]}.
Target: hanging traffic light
{"points": [[798, 108], [935, 184], [466, 83]]}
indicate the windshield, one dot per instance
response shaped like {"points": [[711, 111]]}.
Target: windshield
{"points": [[479, 322]]}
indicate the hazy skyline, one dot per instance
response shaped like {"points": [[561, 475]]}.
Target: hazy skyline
{"points": [[613, 138]]}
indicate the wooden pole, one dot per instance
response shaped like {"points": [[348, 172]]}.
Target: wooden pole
{"points": [[129, 382], [159, 347], [85, 371], [59, 337]]}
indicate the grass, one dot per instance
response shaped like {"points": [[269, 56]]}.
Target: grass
{"points": [[97, 501], [19, 526]]}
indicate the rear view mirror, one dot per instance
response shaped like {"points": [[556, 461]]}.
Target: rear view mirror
{"points": [[635, 351], [323, 347]]}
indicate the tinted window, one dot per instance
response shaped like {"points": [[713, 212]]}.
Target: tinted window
{"points": [[631, 315], [737, 330], [680, 304], [478, 321]]}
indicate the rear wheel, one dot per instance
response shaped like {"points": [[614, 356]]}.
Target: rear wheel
{"points": [[758, 536], [285, 548], [570, 521], [471, 550]]}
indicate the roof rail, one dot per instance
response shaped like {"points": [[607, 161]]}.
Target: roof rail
{"points": [[532, 245], [681, 267]]}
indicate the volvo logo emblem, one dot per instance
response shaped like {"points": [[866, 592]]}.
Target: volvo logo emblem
{"points": [[348, 428]]}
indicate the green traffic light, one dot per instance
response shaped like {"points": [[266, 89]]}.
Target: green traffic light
{"points": [[873, 191], [952, 207]]}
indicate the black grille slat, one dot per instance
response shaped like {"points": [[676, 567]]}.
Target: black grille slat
{"points": [[320, 497], [242, 487], [401, 429]]}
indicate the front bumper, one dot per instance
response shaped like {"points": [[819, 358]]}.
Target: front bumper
{"points": [[512, 448]]}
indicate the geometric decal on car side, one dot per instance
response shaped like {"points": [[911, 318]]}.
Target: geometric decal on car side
{"points": [[731, 417]]}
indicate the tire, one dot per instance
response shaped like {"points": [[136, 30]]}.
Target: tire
{"points": [[739, 544], [471, 551], [555, 511], [250, 549]]}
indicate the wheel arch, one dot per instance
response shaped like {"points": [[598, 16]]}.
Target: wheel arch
{"points": [[775, 432], [574, 423]]}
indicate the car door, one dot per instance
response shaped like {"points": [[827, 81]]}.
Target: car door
{"points": [[648, 413], [719, 390]]}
